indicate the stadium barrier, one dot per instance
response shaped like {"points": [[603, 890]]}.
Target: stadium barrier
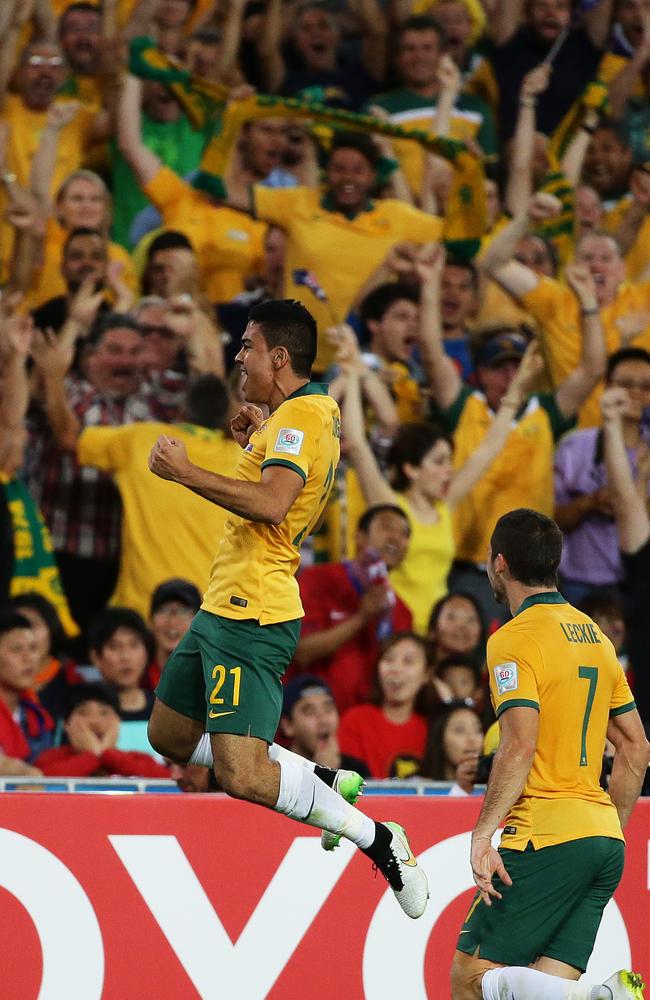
{"points": [[113, 897]]}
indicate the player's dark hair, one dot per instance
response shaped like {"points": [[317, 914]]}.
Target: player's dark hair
{"points": [[378, 302], [368, 516], [74, 8], [208, 402], [104, 626], [531, 544], [422, 22], [625, 354], [170, 239], [358, 141], [286, 323], [45, 610], [434, 761], [412, 443], [10, 620], [110, 321], [83, 231]]}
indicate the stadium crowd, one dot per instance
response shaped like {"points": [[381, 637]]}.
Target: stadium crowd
{"points": [[459, 191]]}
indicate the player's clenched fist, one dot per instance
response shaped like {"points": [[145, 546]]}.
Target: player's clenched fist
{"points": [[245, 422], [168, 459]]}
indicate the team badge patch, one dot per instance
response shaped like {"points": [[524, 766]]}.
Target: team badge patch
{"points": [[289, 441], [506, 677]]}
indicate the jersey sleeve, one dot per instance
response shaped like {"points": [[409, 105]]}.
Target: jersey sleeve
{"points": [[622, 699], [104, 448], [514, 666], [166, 189], [276, 205], [293, 438]]}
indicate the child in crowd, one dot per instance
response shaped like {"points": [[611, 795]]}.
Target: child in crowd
{"points": [[92, 727], [463, 678], [454, 742], [173, 605], [606, 609], [120, 644], [390, 734], [26, 728], [56, 673]]}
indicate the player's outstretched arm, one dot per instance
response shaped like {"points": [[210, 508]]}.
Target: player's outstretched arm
{"points": [[630, 761], [267, 501], [512, 762]]}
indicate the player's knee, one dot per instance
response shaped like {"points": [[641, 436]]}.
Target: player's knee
{"points": [[466, 978], [164, 743]]}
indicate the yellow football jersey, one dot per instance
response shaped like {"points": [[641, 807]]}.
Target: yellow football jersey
{"points": [[253, 575], [556, 310], [555, 659]]}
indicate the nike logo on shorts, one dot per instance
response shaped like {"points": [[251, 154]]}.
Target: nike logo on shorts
{"points": [[217, 715]]}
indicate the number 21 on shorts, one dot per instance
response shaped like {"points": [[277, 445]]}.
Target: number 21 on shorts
{"points": [[220, 674]]}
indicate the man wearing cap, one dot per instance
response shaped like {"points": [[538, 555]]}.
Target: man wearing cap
{"points": [[309, 724], [522, 475], [173, 605]]}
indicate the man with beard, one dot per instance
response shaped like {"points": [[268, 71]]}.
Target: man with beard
{"points": [[84, 262], [80, 37], [532, 926]]}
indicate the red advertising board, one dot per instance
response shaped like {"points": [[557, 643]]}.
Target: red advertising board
{"points": [[179, 897]]}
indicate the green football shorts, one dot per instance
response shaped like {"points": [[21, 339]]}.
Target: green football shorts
{"points": [[228, 674], [553, 908]]}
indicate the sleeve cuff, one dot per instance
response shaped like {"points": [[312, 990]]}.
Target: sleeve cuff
{"points": [[622, 709], [516, 703], [287, 465]]}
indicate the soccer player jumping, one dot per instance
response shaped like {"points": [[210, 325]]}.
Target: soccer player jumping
{"points": [[558, 691], [224, 678]]}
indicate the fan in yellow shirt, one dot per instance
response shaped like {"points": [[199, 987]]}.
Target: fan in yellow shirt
{"points": [[623, 308], [165, 532], [558, 691], [229, 244], [339, 238]]}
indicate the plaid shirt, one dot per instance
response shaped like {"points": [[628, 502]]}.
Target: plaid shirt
{"points": [[80, 504]]}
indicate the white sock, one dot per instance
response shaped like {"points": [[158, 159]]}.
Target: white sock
{"points": [[276, 752], [202, 752], [515, 983], [306, 798]]}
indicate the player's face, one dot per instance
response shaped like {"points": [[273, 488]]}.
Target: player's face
{"points": [[394, 335], [402, 671], [313, 724], [19, 660], [389, 535], [169, 624], [123, 659], [255, 360], [463, 735], [458, 630]]}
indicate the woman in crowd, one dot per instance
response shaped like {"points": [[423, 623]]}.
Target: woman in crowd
{"points": [[454, 742], [390, 732], [456, 628]]}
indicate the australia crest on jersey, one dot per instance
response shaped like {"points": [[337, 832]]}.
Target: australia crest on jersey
{"points": [[506, 677]]}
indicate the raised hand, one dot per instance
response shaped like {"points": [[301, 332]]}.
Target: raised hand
{"points": [[61, 113], [168, 459], [614, 403], [581, 281], [400, 259], [52, 355], [244, 423], [81, 736], [85, 305], [542, 207], [343, 338], [529, 370], [536, 82], [18, 334], [429, 263], [449, 76]]}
